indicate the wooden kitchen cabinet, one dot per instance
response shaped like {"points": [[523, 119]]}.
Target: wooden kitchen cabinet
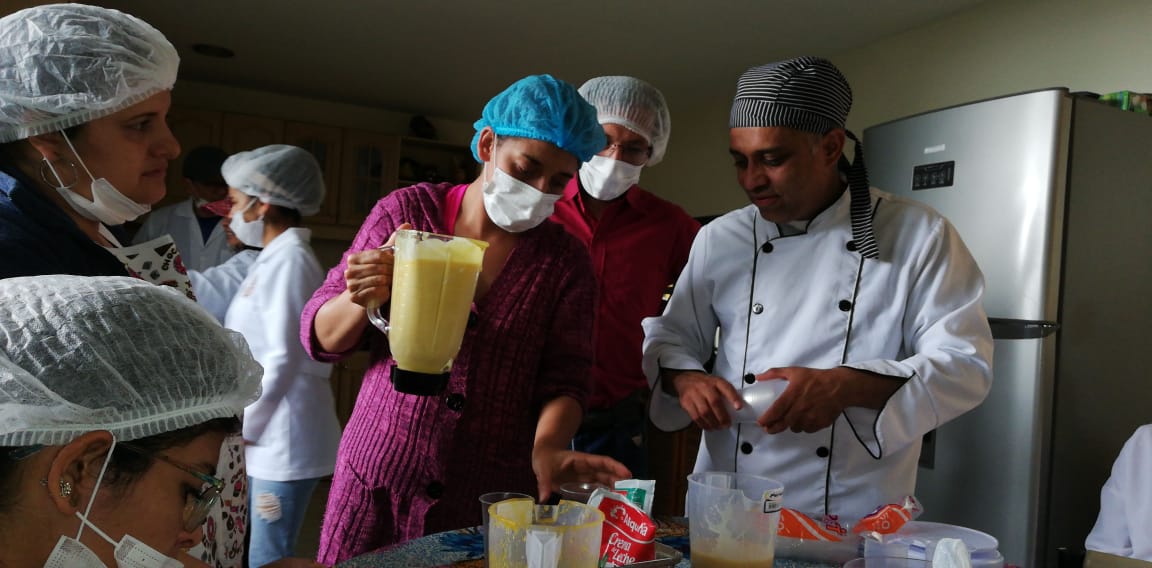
{"points": [[671, 457], [241, 132], [192, 128], [347, 376], [432, 160], [326, 144], [369, 172]]}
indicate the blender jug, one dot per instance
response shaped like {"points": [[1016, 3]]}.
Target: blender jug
{"points": [[733, 519], [433, 282]]}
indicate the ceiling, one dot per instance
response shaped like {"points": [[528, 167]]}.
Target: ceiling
{"points": [[445, 58]]}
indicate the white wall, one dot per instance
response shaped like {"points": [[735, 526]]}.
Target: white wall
{"points": [[996, 48]]}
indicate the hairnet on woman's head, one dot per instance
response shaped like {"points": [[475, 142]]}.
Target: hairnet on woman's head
{"points": [[279, 174], [66, 64], [79, 354], [633, 104], [542, 107]]}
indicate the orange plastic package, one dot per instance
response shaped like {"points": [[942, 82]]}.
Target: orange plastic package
{"points": [[802, 537], [887, 519], [629, 535]]}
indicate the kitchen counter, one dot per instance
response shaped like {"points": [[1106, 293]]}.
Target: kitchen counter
{"points": [[464, 548]]}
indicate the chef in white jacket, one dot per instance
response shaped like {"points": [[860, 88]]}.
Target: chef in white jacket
{"points": [[194, 223], [1124, 526], [291, 432], [861, 310]]}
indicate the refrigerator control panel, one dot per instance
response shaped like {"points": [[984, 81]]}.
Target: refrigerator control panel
{"points": [[929, 176]]}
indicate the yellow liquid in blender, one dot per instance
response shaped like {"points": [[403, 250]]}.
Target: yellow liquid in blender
{"points": [[433, 284]]}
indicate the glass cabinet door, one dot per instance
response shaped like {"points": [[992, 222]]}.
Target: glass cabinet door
{"points": [[325, 144], [369, 173]]}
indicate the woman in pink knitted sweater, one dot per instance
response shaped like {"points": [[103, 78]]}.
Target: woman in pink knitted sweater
{"points": [[413, 465]]}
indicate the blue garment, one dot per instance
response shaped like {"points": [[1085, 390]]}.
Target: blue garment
{"points": [[277, 511], [542, 107], [37, 237]]}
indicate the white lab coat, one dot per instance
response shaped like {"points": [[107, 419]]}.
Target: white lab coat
{"points": [[215, 286], [810, 301], [292, 431], [1124, 527], [179, 220]]}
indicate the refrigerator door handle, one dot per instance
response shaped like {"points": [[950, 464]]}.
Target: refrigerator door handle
{"points": [[1021, 329]]}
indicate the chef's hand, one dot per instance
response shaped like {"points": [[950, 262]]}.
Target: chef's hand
{"points": [[702, 396], [368, 277], [556, 466], [815, 397]]}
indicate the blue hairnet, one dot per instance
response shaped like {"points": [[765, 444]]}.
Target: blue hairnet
{"points": [[542, 107]]}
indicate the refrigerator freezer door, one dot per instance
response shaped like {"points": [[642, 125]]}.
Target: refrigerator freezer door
{"points": [[995, 169]]}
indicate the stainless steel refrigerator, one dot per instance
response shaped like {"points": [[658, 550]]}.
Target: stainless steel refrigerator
{"points": [[1052, 193]]}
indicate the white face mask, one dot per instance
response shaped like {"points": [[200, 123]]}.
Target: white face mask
{"points": [[250, 233], [129, 552], [607, 178], [107, 205], [513, 205]]}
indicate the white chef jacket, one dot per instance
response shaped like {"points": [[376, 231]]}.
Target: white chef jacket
{"points": [[215, 286], [809, 300], [292, 431], [1124, 527], [179, 220]]}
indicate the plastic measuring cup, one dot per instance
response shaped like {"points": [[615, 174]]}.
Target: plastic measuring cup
{"points": [[732, 519], [564, 536]]}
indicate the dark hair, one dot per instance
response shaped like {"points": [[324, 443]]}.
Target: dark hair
{"points": [[125, 467], [10, 152], [286, 216]]}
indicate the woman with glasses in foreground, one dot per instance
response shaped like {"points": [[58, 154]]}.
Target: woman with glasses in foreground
{"points": [[115, 398]]}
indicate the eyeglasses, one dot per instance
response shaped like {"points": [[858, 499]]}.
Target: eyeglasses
{"points": [[627, 152], [196, 507]]}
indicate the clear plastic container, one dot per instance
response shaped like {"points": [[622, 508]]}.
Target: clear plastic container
{"points": [[568, 534], [732, 519]]}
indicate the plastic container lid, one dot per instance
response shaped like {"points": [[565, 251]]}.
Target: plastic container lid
{"points": [[977, 542]]}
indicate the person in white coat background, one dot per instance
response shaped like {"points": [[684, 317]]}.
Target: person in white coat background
{"points": [[291, 433], [1123, 526], [195, 222], [861, 311], [215, 286]]}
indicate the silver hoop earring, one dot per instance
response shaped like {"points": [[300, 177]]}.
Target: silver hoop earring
{"points": [[48, 173]]}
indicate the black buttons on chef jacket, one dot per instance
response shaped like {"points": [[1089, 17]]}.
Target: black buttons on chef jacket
{"points": [[822, 452], [851, 246], [766, 248], [746, 447], [473, 319], [757, 308], [845, 305], [435, 489], [749, 378], [454, 401]]}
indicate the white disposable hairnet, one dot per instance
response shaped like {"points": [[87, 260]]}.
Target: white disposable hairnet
{"points": [[633, 104], [79, 354], [279, 174], [66, 64]]}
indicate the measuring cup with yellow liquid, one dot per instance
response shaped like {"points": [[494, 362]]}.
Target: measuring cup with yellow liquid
{"points": [[433, 283], [522, 534], [732, 519]]}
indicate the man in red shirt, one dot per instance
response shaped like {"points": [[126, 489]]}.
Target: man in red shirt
{"points": [[638, 243]]}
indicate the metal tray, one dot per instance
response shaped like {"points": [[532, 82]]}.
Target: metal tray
{"points": [[665, 556]]}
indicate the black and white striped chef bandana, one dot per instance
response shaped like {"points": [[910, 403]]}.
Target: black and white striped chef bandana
{"points": [[811, 95]]}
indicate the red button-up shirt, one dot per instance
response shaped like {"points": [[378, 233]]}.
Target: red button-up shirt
{"points": [[638, 247]]}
